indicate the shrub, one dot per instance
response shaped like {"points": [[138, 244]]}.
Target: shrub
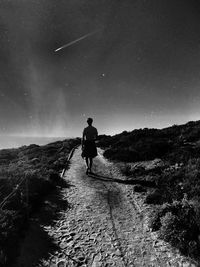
{"points": [[54, 177], [179, 224], [11, 223], [154, 220], [154, 198], [139, 188], [126, 169], [173, 143]]}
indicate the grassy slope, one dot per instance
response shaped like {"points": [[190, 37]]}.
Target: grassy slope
{"points": [[177, 193], [176, 143], [41, 165]]}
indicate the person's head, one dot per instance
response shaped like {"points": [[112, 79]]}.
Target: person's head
{"points": [[89, 121]]}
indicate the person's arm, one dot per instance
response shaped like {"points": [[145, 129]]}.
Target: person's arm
{"points": [[96, 135], [83, 138]]}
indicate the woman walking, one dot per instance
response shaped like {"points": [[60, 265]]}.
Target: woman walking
{"points": [[89, 150]]}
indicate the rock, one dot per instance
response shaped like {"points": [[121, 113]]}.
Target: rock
{"points": [[61, 263], [118, 252], [81, 258], [65, 245], [72, 234], [97, 261], [154, 198]]}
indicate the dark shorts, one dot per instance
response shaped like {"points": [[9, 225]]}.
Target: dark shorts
{"points": [[89, 149]]}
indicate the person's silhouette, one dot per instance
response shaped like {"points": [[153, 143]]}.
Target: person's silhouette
{"points": [[89, 150]]}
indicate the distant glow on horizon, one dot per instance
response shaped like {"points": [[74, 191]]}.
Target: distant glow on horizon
{"points": [[128, 125]]}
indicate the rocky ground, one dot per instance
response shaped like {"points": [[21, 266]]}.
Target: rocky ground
{"points": [[95, 222]]}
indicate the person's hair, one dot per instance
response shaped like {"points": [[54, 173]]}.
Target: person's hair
{"points": [[89, 121]]}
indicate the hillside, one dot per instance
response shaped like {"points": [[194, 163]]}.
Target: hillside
{"points": [[177, 143], [27, 175], [170, 158]]}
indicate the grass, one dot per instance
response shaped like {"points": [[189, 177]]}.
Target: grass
{"points": [[41, 167]]}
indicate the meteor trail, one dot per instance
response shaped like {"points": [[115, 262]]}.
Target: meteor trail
{"points": [[75, 41]]}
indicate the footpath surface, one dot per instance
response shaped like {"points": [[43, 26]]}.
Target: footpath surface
{"points": [[106, 224]]}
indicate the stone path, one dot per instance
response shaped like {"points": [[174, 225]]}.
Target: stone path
{"points": [[106, 224]]}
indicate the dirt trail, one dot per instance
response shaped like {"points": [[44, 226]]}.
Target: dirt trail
{"points": [[106, 224]]}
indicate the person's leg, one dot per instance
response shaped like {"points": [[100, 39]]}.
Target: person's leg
{"points": [[91, 162], [87, 164]]}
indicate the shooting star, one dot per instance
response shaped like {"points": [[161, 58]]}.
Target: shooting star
{"points": [[75, 41]]}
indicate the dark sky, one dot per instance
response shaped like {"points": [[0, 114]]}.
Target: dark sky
{"points": [[141, 69]]}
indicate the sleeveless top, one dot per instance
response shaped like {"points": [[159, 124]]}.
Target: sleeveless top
{"points": [[90, 133]]}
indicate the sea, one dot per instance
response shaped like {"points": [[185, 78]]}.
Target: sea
{"points": [[18, 141]]}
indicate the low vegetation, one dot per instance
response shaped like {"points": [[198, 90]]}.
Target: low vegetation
{"points": [[31, 172], [176, 196]]}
